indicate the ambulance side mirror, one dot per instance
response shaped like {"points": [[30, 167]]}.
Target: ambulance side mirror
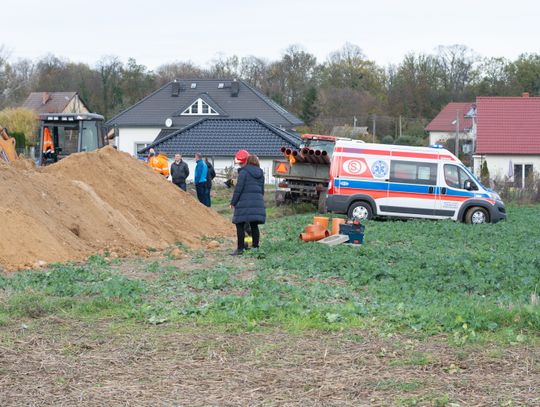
{"points": [[469, 186]]}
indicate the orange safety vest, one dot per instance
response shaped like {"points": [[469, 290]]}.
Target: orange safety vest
{"points": [[48, 145], [160, 164]]}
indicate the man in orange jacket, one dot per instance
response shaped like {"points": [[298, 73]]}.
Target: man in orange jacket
{"points": [[48, 145], [159, 162]]}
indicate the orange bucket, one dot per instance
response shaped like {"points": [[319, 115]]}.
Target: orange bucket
{"points": [[321, 220], [335, 225]]}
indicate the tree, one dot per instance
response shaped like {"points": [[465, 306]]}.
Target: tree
{"points": [[254, 71], [525, 74], [21, 120], [179, 70], [415, 87], [494, 78], [291, 77], [349, 68], [225, 67], [457, 69], [309, 106], [137, 82], [110, 71]]}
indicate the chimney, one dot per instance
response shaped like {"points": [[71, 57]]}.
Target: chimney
{"points": [[235, 88], [175, 88], [45, 98], [525, 94]]}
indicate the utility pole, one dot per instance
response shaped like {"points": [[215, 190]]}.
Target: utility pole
{"points": [[400, 134], [457, 134], [374, 126]]}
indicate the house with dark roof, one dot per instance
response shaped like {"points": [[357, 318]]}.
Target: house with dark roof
{"points": [[454, 117], [55, 102], [182, 103], [508, 137]]}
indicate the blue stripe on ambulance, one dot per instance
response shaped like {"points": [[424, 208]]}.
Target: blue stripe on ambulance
{"points": [[399, 187]]}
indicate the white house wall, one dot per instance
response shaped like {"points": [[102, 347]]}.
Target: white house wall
{"points": [[499, 165], [436, 137], [128, 137]]}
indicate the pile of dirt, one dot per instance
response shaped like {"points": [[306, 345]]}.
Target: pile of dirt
{"points": [[91, 202]]}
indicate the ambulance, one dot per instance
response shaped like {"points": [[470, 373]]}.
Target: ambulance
{"points": [[371, 180]]}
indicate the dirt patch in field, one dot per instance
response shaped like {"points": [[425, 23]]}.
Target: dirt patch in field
{"points": [[92, 202], [67, 363]]}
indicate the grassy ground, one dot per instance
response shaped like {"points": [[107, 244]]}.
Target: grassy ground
{"points": [[424, 313]]}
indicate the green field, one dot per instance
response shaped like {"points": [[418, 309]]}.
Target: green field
{"points": [[423, 276], [439, 282]]}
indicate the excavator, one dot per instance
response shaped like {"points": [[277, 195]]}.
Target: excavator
{"points": [[7, 146], [62, 134]]}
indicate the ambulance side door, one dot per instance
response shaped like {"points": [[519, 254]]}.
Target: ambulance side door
{"points": [[451, 190], [411, 188]]}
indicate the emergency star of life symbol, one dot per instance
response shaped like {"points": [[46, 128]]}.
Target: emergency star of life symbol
{"points": [[354, 167], [379, 169]]}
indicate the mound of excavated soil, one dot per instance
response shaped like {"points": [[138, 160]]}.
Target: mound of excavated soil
{"points": [[90, 202]]}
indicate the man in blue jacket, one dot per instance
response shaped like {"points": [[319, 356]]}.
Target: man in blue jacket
{"points": [[201, 173]]}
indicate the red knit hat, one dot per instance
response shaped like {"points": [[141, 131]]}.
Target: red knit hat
{"points": [[241, 156]]}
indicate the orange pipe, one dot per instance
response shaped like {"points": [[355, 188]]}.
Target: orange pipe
{"points": [[335, 225], [314, 236], [316, 228], [321, 220]]}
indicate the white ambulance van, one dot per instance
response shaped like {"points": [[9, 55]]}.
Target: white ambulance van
{"points": [[368, 180]]}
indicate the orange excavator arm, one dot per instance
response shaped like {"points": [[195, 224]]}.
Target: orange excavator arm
{"points": [[7, 146]]}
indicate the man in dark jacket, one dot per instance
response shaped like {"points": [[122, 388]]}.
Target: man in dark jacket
{"points": [[179, 172], [210, 175], [248, 202]]}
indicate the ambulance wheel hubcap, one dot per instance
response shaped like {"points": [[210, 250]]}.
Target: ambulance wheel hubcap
{"points": [[360, 212], [478, 217]]}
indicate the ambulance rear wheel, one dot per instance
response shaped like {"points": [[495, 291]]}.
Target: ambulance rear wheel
{"points": [[360, 210], [476, 216]]}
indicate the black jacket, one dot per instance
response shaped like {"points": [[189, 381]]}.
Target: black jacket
{"points": [[179, 172], [210, 175], [248, 196]]}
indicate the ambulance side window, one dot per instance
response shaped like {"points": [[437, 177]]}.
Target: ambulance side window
{"points": [[410, 172], [455, 176]]}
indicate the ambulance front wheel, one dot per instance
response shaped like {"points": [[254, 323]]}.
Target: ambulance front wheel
{"points": [[360, 210], [476, 216]]}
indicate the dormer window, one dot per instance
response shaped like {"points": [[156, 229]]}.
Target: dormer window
{"points": [[199, 108]]}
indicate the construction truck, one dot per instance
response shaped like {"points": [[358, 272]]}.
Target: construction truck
{"points": [[7, 146], [62, 134], [303, 174]]}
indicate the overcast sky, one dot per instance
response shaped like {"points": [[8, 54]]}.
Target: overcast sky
{"points": [[159, 31]]}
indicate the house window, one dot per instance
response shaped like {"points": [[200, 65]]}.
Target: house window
{"points": [[523, 175], [139, 147], [199, 108]]}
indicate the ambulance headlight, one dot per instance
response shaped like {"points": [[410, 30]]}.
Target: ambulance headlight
{"points": [[495, 196]]}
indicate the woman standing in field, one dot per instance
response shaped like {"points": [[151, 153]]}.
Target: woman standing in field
{"points": [[248, 199]]}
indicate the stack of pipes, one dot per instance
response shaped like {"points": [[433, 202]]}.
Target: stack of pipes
{"points": [[307, 155]]}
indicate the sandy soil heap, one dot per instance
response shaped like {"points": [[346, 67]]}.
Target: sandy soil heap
{"points": [[93, 201]]}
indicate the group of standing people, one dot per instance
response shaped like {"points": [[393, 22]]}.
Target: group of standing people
{"points": [[248, 197], [179, 171]]}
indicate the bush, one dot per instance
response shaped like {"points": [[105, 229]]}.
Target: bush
{"points": [[484, 174]]}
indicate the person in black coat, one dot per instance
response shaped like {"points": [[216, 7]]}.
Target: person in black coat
{"points": [[209, 177], [248, 202], [179, 172]]}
